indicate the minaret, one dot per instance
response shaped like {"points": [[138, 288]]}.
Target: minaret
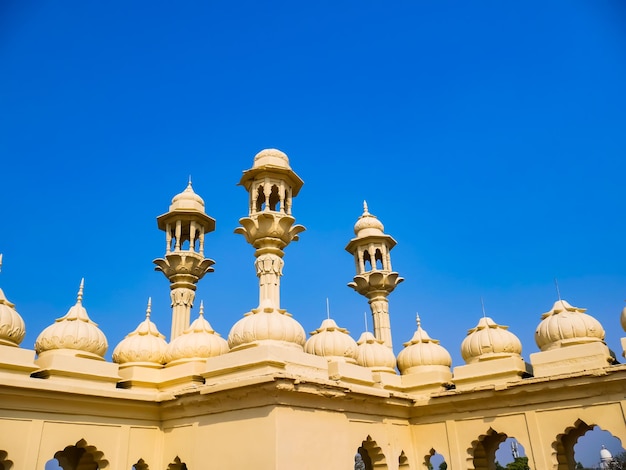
{"points": [[374, 278], [185, 226], [269, 228]]}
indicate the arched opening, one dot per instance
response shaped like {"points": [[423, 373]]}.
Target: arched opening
{"points": [[141, 465], [286, 203], [563, 446], [598, 448], [483, 450], [260, 199], [367, 261], [177, 465], [274, 199], [435, 461], [510, 454], [403, 462], [378, 257], [80, 456], [372, 455], [5, 463]]}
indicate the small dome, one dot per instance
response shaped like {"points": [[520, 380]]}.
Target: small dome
{"points": [[12, 328], [373, 353], [422, 350], [144, 346], [623, 319], [332, 342], [368, 224], [73, 331], [605, 455], [188, 200], [260, 325], [488, 340], [565, 325], [271, 157], [199, 341]]}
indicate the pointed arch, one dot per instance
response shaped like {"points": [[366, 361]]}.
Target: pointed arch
{"points": [[177, 464], [141, 465], [274, 199], [403, 462], [260, 198], [81, 456], [563, 445], [372, 455], [5, 463], [367, 261], [482, 453], [378, 260]]}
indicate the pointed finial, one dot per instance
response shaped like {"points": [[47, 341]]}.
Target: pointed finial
{"points": [[365, 318], [418, 320], [0, 262], [201, 308], [327, 309], [79, 299], [149, 308], [365, 211], [558, 291], [482, 302]]}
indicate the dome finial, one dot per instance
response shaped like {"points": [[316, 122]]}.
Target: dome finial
{"points": [[327, 309], [189, 184], [558, 291], [79, 299], [149, 308], [365, 318], [365, 210], [482, 303], [418, 320], [0, 262], [201, 313]]}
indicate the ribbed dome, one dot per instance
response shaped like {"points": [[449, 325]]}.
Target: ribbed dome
{"points": [[565, 325], [373, 353], [623, 319], [187, 200], [488, 340], [272, 157], [368, 224], [73, 331], [422, 350], [199, 341], [332, 342], [144, 346], [260, 325], [12, 328]]}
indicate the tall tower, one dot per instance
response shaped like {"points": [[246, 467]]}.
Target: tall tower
{"points": [[269, 228], [374, 278], [185, 226]]}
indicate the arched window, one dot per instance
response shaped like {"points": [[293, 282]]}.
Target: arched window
{"points": [[367, 261], [5, 463], [378, 256], [141, 465], [274, 199], [260, 199], [80, 456], [177, 465]]}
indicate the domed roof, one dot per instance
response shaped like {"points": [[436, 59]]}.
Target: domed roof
{"points": [[605, 454], [488, 340], [260, 325], [422, 350], [144, 346], [272, 157], [188, 200], [332, 342], [565, 325], [73, 331], [12, 328], [199, 341], [623, 319], [373, 353], [368, 224]]}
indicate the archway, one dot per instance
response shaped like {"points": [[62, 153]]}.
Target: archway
{"points": [[403, 462], [80, 456], [177, 465], [435, 461], [5, 463], [141, 465], [372, 455], [588, 449], [483, 450], [511, 454]]}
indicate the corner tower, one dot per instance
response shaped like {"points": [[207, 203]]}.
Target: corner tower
{"points": [[185, 226], [269, 228], [374, 278]]}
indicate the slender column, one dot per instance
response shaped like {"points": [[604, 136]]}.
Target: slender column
{"points": [[182, 302], [269, 269], [379, 305]]}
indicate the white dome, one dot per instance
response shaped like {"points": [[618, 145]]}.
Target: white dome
{"points": [[12, 328], [332, 342], [565, 325], [422, 350], [199, 341], [373, 353], [488, 340], [260, 325], [74, 331], [144, 346]]}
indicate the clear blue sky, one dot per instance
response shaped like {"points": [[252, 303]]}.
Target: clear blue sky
{"points": [[489, 137]]}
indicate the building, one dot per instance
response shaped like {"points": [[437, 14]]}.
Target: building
{"points": [[270, 397]]}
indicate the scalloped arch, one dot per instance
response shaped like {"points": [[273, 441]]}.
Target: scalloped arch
{"points": [[81, 455], [403, 462], [5, 463], [482, 453], [141, 465], [177, 464], [374, 457]]}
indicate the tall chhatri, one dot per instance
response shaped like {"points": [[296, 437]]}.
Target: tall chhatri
{"points": [[374, 277], [185, 226], [269, 228]]}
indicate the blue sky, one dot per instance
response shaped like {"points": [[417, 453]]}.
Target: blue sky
{"points": [[488, 138]]}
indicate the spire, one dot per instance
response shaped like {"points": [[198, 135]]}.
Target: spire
{"points": [[201, 308], [149, 308], [79, 297]]}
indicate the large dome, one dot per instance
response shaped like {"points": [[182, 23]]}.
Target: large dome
{"points": [[488, 340], [332, 342], [373, 353], [565, 325], [422, 350], [260, 325], [74, 331]]}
